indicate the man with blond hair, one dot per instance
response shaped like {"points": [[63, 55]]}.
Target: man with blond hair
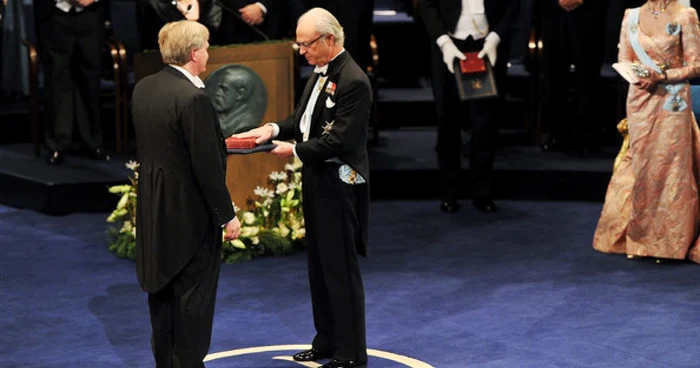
{"points": [[183, 201], [330, 130]]}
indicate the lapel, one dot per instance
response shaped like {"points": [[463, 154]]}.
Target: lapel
{"points": [[334, 69]]}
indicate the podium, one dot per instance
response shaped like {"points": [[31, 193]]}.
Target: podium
{"points": [[274, 63]]}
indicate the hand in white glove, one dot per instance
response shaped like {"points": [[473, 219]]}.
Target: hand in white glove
{"points": [[449, 53], [490, 48]]}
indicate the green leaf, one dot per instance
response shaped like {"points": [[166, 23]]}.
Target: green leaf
{"points": [[237, 243]]}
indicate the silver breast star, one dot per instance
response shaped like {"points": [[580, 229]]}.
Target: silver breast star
{"points": [[328, 127]]}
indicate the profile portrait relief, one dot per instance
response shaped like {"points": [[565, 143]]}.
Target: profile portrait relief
{"points": [[239, 98]]}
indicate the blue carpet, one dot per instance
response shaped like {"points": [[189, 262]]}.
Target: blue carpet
{"points": [[522, 288]]}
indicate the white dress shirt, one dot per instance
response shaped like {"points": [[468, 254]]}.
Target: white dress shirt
{"points": [[472, 21], [194, 79]]}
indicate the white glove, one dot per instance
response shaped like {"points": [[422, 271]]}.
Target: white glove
{"points": [[490, 47], [449, 53]]}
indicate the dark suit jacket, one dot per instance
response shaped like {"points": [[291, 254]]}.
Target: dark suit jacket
{"points": [[182, 179], [347, 140]]}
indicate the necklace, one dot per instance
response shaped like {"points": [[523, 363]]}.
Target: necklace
{"points": [[656, 12]]}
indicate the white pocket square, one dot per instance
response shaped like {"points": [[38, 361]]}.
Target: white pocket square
{"points": [[329, 103]]}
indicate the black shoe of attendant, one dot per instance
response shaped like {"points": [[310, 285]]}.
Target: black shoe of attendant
{"points": [[485, 205], [449, 206], [311, 355], [55, 159], [338, 363]]}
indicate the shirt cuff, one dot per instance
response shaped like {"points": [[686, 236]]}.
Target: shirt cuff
{"points": [[262, 7], [442, 40], [275, 129], [226, 223], [294, 149]]}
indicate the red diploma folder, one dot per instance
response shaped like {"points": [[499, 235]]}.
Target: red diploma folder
{"points": [[244, 146]]}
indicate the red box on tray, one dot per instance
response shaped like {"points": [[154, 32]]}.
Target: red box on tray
{"points": [[240, 143]]}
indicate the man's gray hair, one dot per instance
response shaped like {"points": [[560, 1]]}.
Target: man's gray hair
{"points": [[326, 24]]}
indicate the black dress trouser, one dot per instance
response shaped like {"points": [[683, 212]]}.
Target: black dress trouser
{"points": [[332, 233], [182, 313], [73, 46], [451, 118]]}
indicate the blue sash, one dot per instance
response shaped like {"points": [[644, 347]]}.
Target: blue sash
{"points": [[633, 27]]}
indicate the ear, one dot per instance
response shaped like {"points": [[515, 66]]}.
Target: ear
{"points": [[331, 39]]}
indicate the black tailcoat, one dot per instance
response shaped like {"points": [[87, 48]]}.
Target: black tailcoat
{"points": [[182, 194]]}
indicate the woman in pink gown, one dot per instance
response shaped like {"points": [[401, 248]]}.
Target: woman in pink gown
{"points": [[651, 206]]}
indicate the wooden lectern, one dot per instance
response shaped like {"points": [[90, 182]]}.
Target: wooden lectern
{"points": [[274, 63]]}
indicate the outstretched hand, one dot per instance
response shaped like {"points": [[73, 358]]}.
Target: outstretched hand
{"points": [[261, 134]]}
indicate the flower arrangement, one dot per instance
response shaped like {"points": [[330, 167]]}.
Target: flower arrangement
{"points": [[272, 224]]}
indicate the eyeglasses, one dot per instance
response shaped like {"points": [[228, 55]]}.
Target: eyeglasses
{"points": [[306, 45]]}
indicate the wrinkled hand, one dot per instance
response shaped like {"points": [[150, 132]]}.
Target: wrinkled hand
{"points": [[649, 84], [261, 134], [449, 53], [232, 229], [283, 149], [570, 5], [188, 8], [252, 14]]}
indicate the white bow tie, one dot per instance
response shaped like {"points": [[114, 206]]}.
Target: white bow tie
{"points": [[321, 69]]}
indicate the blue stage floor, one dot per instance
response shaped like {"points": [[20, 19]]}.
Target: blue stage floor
{"points": [[522, 288]]}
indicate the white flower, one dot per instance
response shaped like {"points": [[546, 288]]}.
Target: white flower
{"points": [[289, 167], [132, 165], [263, 192], [292, 186], [248, 231], [248, 218], [126, 228], [266, 203], [282, 188], [278, 175], [255, 240], [283, 230], [298, 233]]}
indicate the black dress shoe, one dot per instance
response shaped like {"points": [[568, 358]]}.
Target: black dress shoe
{"points": [[450, 206], [101, 154], [485, 205], [311, 355], [56, 158], [338, 363]]}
